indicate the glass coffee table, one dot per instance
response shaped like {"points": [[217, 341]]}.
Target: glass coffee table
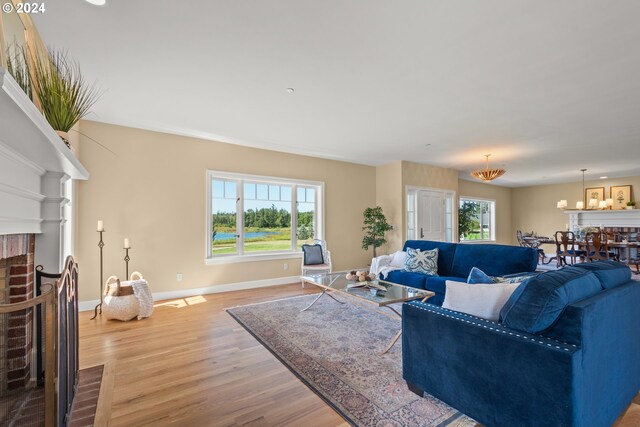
{"points": [[378, 292]]}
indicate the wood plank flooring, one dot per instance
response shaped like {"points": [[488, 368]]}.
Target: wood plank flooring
{"points": [[191, 364]]}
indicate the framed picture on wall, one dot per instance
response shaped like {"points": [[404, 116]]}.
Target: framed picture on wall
{"points": [[621, 194], [596, 193]]}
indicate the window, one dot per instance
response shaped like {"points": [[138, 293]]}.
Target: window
{"points": [[265, 217], [476, 219]]}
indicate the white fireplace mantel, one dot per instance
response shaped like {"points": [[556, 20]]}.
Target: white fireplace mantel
{"points": [[605, 218], [35, 166]]}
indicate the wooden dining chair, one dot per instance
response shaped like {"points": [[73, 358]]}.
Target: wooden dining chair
{"points": [[531, 242], [566, 248], [597, 244]]}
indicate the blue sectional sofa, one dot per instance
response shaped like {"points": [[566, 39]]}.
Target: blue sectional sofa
{"points": [[566, 351], [455, 261]]}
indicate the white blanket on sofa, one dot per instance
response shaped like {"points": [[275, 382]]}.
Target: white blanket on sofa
{"points": [[385, 264]]}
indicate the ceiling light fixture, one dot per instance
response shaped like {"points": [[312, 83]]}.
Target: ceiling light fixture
{"points": [[97, 2], [562, 204], [290, 90], [487, 174]]}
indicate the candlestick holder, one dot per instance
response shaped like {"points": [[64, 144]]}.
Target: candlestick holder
{"points": [[99, 306], [126, 263]]}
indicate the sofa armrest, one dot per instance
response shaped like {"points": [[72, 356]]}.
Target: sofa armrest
{"points": [[487, 371]]}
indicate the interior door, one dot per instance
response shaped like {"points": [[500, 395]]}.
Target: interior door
{"points": [[431, 215]]}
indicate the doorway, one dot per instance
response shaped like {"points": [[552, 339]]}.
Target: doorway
{"points": [[430, 214]]}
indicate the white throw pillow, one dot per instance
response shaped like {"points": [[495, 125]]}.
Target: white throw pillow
{"points": [[399, 258], [482, 300]]}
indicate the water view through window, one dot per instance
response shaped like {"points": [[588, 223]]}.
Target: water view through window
{"points": [[250, 216]]}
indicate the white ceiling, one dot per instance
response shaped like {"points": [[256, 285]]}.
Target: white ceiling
{"points": [[547, 87]]}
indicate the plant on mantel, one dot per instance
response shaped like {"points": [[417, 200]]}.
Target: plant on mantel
{"points": [[55, 84], [64, 95]]}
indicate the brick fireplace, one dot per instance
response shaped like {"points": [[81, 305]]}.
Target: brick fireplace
{"points": [[16, 285]]}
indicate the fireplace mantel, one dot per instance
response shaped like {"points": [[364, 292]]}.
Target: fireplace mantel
{"points": [[605, 218], [35, 167]]}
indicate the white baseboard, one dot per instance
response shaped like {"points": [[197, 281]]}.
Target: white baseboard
{"points": [[182, 293]]}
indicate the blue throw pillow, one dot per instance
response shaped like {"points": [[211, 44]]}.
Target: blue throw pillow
{"points": [[539, 301], [478, 276], [312, 254], [425, 262]]}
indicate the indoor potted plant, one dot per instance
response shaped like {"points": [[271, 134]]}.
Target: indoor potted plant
{"points": [[64, 96], [631, 204], [375, 226]]}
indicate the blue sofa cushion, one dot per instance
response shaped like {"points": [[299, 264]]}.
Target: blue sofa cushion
{"points": [[446, 252], [540, 300], [478, 276], [494, 260], [407, 278], [610, 273], [425, 262]]}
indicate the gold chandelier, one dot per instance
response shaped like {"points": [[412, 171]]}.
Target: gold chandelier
{"points": [[487, 174]]}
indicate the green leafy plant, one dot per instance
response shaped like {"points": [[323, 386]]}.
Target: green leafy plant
{"points": [[375, 227], [631, 203], [468, 219], [65, 96]]}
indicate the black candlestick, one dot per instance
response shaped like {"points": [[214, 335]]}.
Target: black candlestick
{"points": [[100, 245], [126, 263]]}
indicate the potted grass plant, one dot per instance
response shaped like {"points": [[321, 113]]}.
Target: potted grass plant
{"points": [[64, 95], [17, 67]]}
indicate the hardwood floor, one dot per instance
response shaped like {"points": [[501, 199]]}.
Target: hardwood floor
{"points": [[191, 364]]}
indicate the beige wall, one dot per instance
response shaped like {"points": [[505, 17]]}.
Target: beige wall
{"points": [[153, 192], [389, 195], [534, 208], [502, 196]]}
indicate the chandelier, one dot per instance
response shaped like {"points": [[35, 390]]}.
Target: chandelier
{"points": [[487, 174]]}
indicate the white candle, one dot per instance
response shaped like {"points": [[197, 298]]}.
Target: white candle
{"points": [[126, 243], [566, 227], [100, 226]]}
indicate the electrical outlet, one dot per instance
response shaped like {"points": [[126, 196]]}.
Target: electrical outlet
{"points": [[285, 266], [179, 277]]}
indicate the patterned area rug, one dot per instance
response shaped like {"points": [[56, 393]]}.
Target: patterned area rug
{"points": [[335, 350]]}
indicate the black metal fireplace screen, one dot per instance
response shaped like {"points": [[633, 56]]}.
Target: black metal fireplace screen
{"points": [[51, 355]]}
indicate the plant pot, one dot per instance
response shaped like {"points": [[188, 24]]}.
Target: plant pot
{"points": [[631, 207], [65, 138]]}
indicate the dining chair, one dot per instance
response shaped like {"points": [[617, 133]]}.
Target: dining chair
{"points": [[316, 258], [597, 245], [566, 248], [531, 242]]}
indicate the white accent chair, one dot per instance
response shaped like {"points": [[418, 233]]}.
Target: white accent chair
{"points": [[317, 268]]}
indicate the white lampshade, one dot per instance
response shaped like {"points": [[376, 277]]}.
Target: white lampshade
{"points": [[609, 202], [580, 205], [602, 204], [593, 203]]}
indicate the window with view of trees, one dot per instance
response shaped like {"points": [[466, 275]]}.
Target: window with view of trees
{"points": [[476, 219], [261, 215]]}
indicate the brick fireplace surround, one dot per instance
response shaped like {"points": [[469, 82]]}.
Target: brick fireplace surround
{"points": [[16, 285]]}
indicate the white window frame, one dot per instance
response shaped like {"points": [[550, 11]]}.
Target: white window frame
{"points": [[492, 221], [240, 178]]}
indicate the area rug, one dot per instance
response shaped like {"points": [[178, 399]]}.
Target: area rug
{"points": [[336, 351]]}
